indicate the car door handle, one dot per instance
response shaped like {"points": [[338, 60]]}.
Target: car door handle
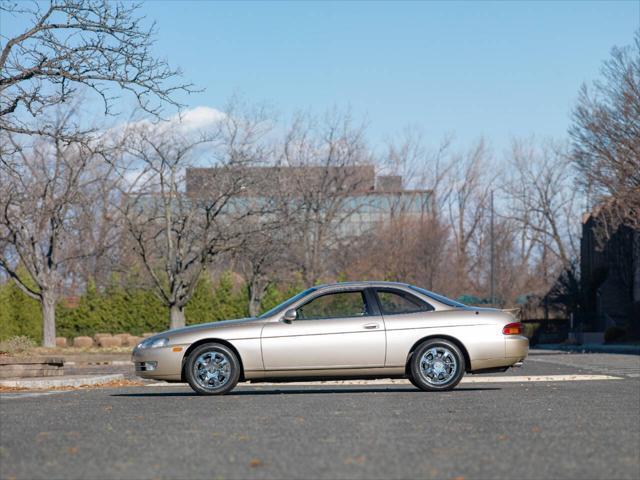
{"points": [[371, 326]]}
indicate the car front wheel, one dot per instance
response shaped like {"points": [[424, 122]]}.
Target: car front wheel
{"points": [[212, 369], [437, 365]]}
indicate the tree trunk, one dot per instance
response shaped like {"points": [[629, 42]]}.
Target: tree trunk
{"points": [[176, 316], [254, 306], [48, 306], [256, 292]]}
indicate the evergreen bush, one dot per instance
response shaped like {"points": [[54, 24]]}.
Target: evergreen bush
{"points": [[124, 306]]}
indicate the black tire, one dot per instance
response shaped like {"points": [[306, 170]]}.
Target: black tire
{"points": [[422, 381], [413, 382], [198, 384]]}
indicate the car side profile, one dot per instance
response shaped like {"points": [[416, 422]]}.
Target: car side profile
{"points": [[339, 331]]}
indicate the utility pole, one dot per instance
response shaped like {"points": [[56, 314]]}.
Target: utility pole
{"points": [[545, 274], [493, 253]]}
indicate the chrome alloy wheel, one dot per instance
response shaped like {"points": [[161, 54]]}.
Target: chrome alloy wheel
{"points": [[438, 365], [212, 370]]}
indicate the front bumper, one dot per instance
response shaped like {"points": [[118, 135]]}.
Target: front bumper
{"points": [[164, 363]]}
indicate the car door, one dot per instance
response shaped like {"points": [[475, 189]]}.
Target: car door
{"points": [[406, 317], [335, 329]]}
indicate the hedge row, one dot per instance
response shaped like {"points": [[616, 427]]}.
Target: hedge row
{"points": [[125, 308]]}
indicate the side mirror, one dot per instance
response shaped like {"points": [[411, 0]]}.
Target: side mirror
{"points": [[290, 315]]}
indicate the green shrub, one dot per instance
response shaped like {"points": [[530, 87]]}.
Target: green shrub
{"points": [[123, 306], [276, 295], [115, 310], [228, 301], [17, 344], [20, 315], [211, 303]]}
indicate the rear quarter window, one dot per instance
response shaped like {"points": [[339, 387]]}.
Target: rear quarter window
{"points": [[396, 302]]}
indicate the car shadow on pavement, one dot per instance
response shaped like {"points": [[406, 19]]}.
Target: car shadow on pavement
{"points": [[286, 391]]}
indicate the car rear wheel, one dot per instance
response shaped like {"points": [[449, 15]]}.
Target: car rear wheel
{"points": [[437, 365], [212, 369]]}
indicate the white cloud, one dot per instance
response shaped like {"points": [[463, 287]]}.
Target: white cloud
{"points": [[192, 120], [189, 122], [197, 118]]}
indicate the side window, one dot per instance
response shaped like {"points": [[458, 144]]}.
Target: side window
{"points": [[334, 305], [395, 302]]}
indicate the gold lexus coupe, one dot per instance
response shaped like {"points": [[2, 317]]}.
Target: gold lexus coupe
{"points": [[338, 331]]}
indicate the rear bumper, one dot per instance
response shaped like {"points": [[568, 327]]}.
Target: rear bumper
{"points": [[516, 348]]}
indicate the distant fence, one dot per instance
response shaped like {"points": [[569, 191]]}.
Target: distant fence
{"points": [[546, 331]]}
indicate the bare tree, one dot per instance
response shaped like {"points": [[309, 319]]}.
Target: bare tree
{"points": [[606, 139], [99, 45], [466, 190], [262, 262], [541, 197], [427, 170], [45, 187], [327, 164], [264, 258], [103, 236], [419, 166], [418, 246], [177, 232], [606, 147]]}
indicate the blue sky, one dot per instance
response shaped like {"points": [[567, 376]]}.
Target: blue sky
{"points": [[496, 69], [473, 68]]}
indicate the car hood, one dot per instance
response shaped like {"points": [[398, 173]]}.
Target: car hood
{"points": [[207, 326]]}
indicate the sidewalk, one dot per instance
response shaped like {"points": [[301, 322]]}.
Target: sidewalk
{"points": [[590, 348]]}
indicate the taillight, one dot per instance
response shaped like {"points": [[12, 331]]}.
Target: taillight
{"points": [[512, 329]]}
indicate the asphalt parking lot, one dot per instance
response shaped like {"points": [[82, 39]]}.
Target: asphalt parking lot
{"points": [[486, 428]]}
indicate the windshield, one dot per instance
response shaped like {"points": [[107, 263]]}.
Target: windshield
{"points": [[439, 298], [286, 303]]}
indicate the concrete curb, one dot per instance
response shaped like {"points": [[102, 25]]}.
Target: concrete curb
{"points": [[99, 362], [62, 381], [12, 360], [30, 367]]}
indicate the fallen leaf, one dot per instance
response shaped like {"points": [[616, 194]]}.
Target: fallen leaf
{"points": [[255, 462]]}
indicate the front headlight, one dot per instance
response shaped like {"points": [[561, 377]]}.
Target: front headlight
{"points": [[154, 343]]}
